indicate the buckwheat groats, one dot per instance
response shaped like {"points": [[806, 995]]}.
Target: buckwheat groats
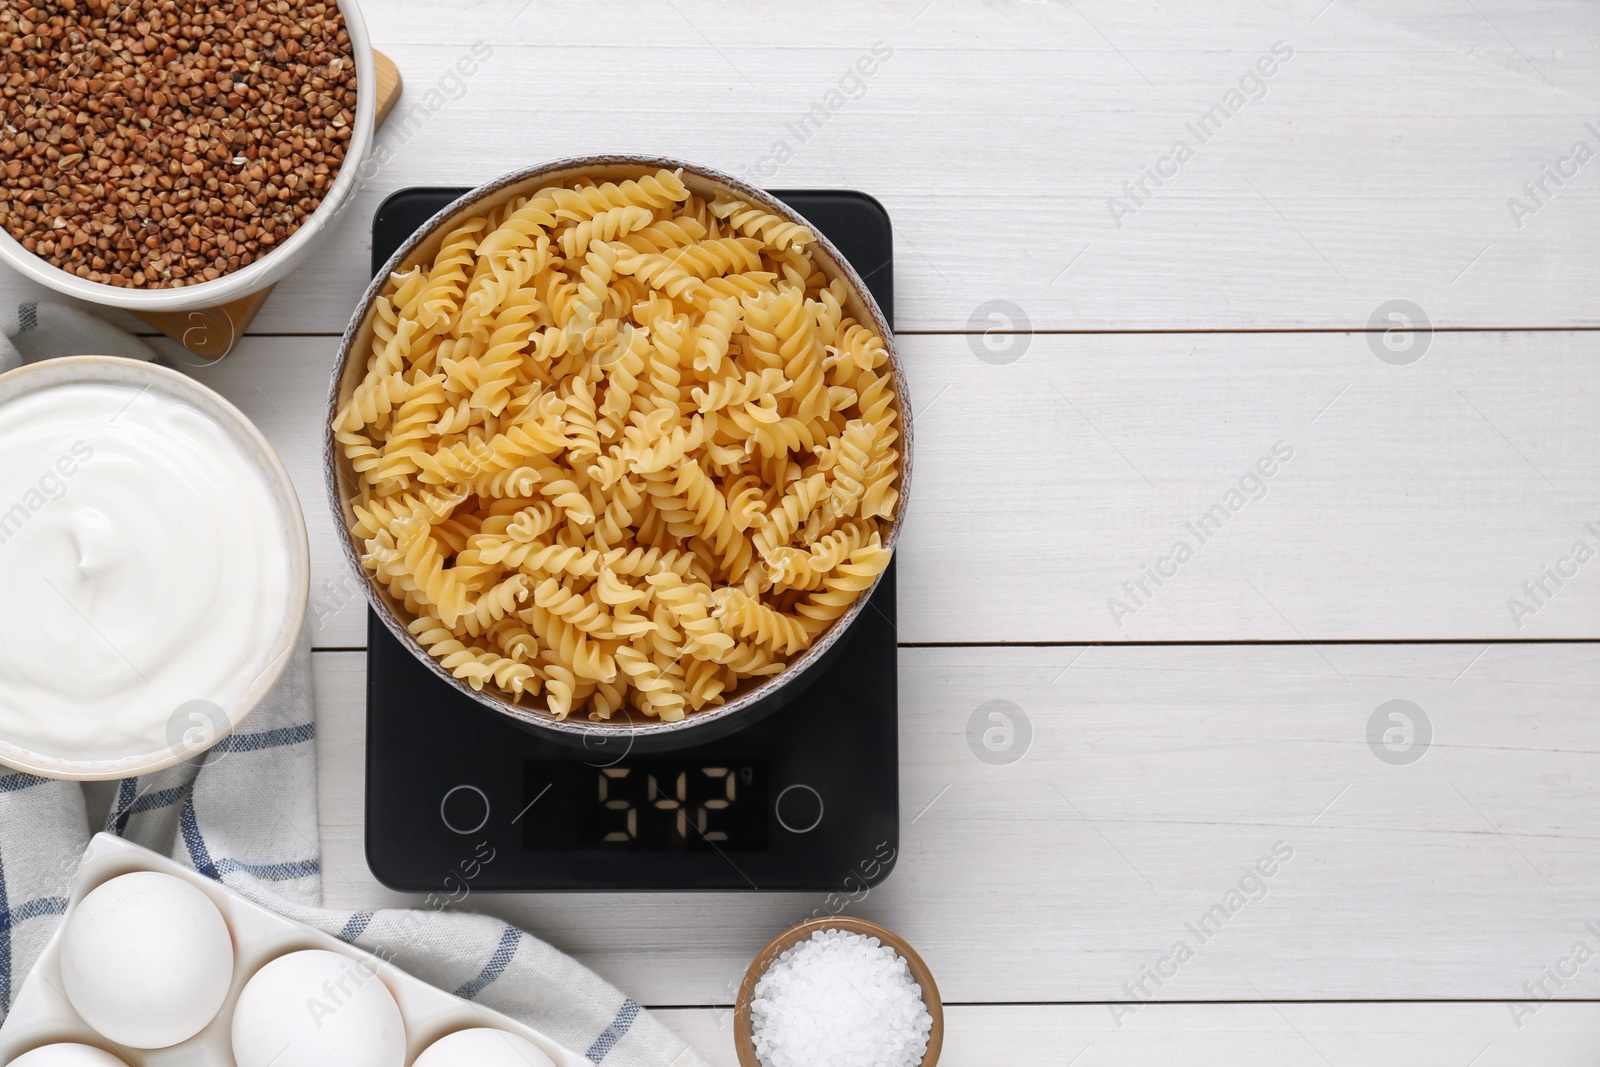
{"points": [[161, 143]]}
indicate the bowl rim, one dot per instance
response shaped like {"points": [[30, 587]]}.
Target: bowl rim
{"points": [[743, 1028], [626, 725], [276, 661], [269, 269]]}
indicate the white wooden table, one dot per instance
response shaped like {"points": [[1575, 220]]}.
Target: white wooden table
{"points": [[1164, 345]]}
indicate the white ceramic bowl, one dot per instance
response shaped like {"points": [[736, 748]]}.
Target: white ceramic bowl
{"points": [[271, 267], [273, 660]]}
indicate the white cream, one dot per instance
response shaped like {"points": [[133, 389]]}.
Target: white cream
{"points": [[143, 565]]}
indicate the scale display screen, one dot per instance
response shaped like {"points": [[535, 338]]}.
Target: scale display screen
{"points": [[650, 805]]}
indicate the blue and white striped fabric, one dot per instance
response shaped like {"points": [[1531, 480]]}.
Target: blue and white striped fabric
{"points": [[40, 330], [245, 814]]}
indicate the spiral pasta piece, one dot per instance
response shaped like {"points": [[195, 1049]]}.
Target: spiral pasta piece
{"points": [[440, 302], [729, 392], [743, 614], [494, 286], [498, 368], [473, 665], [622, 377], [659, 695], [664, 235], [792, 510], [690, 608], [773, 231], [495, 603], [705, 681], [712, 518], [610, 225], [715, 335], [794, 568], [572, 647], [374, 398], [659, 190], [409, 557], [841, 588], [661, 271]]}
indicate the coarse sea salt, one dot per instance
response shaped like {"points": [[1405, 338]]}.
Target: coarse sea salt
{"points": [[839, 999]]}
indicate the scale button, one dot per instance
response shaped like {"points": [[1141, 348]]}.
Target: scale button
{"points": [[464, 809], [799, 809]]}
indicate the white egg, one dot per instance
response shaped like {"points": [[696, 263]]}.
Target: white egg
{"points": [[67, 1056], [146, 959], [316, 1008], [483, 1048]]}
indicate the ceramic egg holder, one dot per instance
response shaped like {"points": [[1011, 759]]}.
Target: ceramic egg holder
{"points": [[211, 333], [41, 1014]]}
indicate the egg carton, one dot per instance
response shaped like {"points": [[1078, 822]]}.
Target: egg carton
{"points": [[42, 1015]]}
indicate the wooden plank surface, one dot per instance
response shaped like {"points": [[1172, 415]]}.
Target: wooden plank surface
{"points": [[1155, 345], [1417, 501], [1285, 1035], [1376, 162], [1152, 782]]}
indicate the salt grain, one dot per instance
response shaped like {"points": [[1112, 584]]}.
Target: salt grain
{"points": [[839, 999]]}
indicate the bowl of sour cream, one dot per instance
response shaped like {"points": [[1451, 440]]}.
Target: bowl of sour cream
{"points": [[155, 567]]}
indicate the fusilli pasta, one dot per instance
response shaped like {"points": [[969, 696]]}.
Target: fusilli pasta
{"points": [[621, 446]]}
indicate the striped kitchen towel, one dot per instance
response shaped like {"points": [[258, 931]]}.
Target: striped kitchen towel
{"points": [[245, 814], [39, 330]]}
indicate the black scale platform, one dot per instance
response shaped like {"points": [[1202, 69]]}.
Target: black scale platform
{"points": [[806, 797]]}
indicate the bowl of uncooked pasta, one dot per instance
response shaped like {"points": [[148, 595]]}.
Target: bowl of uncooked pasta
{"points": [[621, 448]]}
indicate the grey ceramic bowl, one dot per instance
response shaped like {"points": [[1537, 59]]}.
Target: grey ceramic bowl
{"points": [[758, 696]]}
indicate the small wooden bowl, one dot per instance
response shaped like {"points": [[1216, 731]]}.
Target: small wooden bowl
{"points": [[743, 1031]]}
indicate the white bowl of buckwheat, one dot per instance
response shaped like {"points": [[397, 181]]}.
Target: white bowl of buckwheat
{"points": [[182, 159]]}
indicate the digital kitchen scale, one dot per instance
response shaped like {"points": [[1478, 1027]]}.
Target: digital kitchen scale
{"points": [[805, 798]]}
